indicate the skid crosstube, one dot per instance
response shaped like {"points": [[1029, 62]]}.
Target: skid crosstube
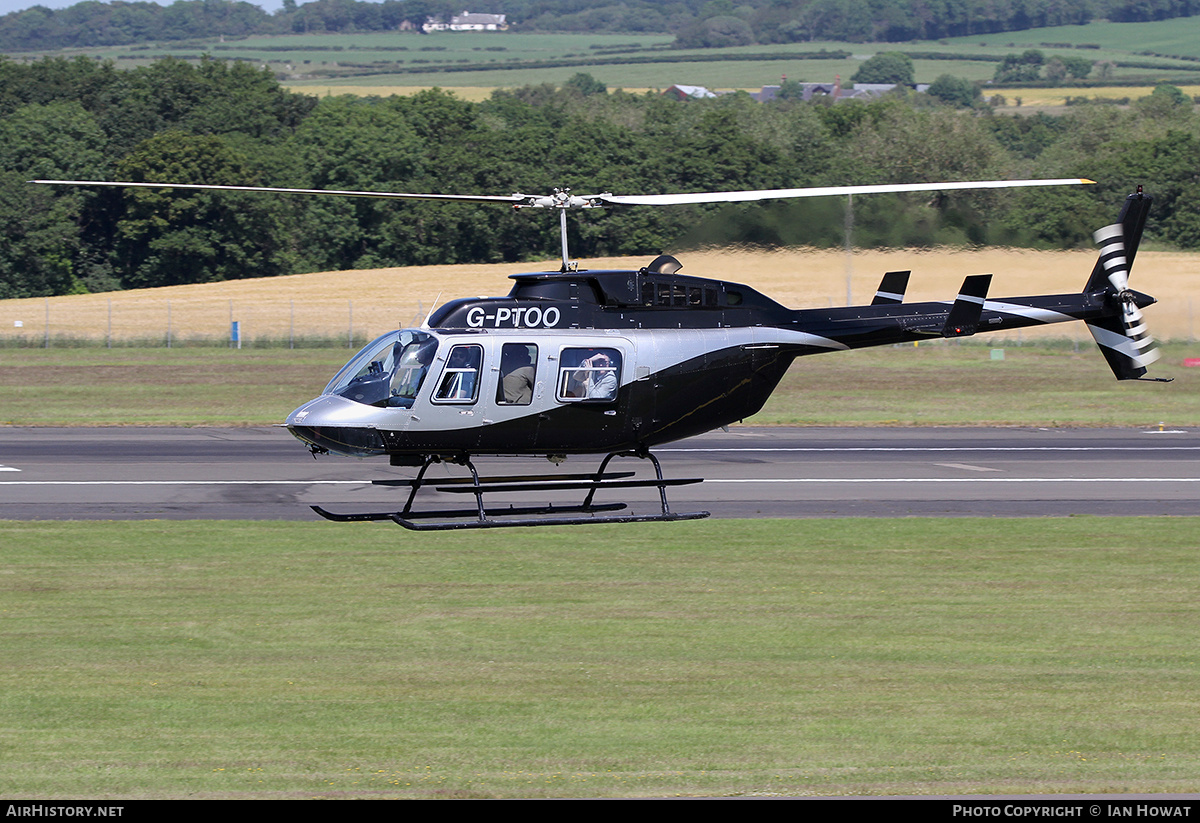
{"points": [[481, 517]]}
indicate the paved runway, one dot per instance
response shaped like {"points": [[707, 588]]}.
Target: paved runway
{"points": [[263, 473]]}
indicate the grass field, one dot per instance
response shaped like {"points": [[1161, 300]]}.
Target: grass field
{"points": [[941, 384], [360, 63], [285, 660], [1176, 37]]}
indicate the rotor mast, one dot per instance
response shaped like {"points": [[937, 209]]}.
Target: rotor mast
{"points": [[563, 201]]}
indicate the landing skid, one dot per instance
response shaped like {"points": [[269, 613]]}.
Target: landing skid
{"points": [[482, 517]]}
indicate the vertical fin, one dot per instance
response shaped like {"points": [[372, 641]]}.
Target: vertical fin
{"points": [[891, 288], [963, 319]]}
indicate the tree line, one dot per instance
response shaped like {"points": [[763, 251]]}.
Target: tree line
{"points": [[233, 124], [695, 23]]}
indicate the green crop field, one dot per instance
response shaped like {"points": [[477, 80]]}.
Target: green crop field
{"points": [[734, 658], [1179, 37], [399, 61]]}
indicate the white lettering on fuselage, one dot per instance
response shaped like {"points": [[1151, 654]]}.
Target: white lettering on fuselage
{"points": [[516, 317]]}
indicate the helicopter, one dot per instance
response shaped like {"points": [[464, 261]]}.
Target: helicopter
{"points": [[618, 362]]}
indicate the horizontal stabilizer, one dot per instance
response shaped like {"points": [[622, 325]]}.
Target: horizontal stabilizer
{"points": [[963, 319], [891, 288]]}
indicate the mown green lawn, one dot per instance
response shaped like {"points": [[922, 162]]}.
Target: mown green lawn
{"points": [[913, 656]]}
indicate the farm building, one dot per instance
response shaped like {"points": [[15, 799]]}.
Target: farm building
{"points": [[468, 21]]}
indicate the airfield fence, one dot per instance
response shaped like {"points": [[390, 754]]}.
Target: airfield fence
{"points": [[170, 322]]}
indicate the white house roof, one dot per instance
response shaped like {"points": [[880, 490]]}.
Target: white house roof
{"points": [[692, 91]]}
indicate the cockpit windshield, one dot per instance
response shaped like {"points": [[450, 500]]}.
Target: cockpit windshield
{"points": [[388, 371]]}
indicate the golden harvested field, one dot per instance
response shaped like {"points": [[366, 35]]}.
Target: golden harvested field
{"points": [[1058, 97], [370, 302], [472, 94], [475, 94]]}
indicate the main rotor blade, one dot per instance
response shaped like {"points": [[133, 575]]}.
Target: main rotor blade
{"points": [[515, 199], [781, 194], [566, 201]]}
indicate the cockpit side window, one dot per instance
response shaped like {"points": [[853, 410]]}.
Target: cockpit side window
{"points": [[459, 382], [412, 364]]}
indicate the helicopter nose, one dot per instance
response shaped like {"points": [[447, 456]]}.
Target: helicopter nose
{"points": [[347, 441], [327, 410], [334, 424]]}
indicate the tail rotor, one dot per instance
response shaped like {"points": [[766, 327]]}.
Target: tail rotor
{"points": [[1138, 344], [1122, 336]]}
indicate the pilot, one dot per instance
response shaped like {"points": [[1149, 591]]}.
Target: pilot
{"points": [[461, 370], [519, 375], [410, 371]]}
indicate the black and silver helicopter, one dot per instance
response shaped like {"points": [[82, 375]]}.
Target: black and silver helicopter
{"points": [[580, 362]]}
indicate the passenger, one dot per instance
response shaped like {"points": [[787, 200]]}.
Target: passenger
{"points": [[519, 375], [598, 377]]}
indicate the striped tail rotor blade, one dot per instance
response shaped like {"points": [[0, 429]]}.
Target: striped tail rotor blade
{"points": [[1144, 350], [1145, 358], [1135, 321], [1111, 240]]}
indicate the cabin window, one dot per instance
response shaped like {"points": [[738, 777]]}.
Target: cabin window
{"points": [[459, 382], [647, 293], [589, 374], [518, 374], [665, 293]]}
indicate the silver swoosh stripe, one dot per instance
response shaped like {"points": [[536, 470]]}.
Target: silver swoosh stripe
{"points": [[1030, 312]]}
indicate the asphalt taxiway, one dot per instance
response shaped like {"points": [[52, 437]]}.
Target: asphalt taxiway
{"points": [[265, 474]]}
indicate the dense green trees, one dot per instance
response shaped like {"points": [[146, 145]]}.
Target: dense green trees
{"points": [[41, 250], [956, 91], [885, 67], [232, 124], [166, 237]]}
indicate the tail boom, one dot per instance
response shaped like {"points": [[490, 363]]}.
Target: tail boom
{"points": [[1111, 310]]}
